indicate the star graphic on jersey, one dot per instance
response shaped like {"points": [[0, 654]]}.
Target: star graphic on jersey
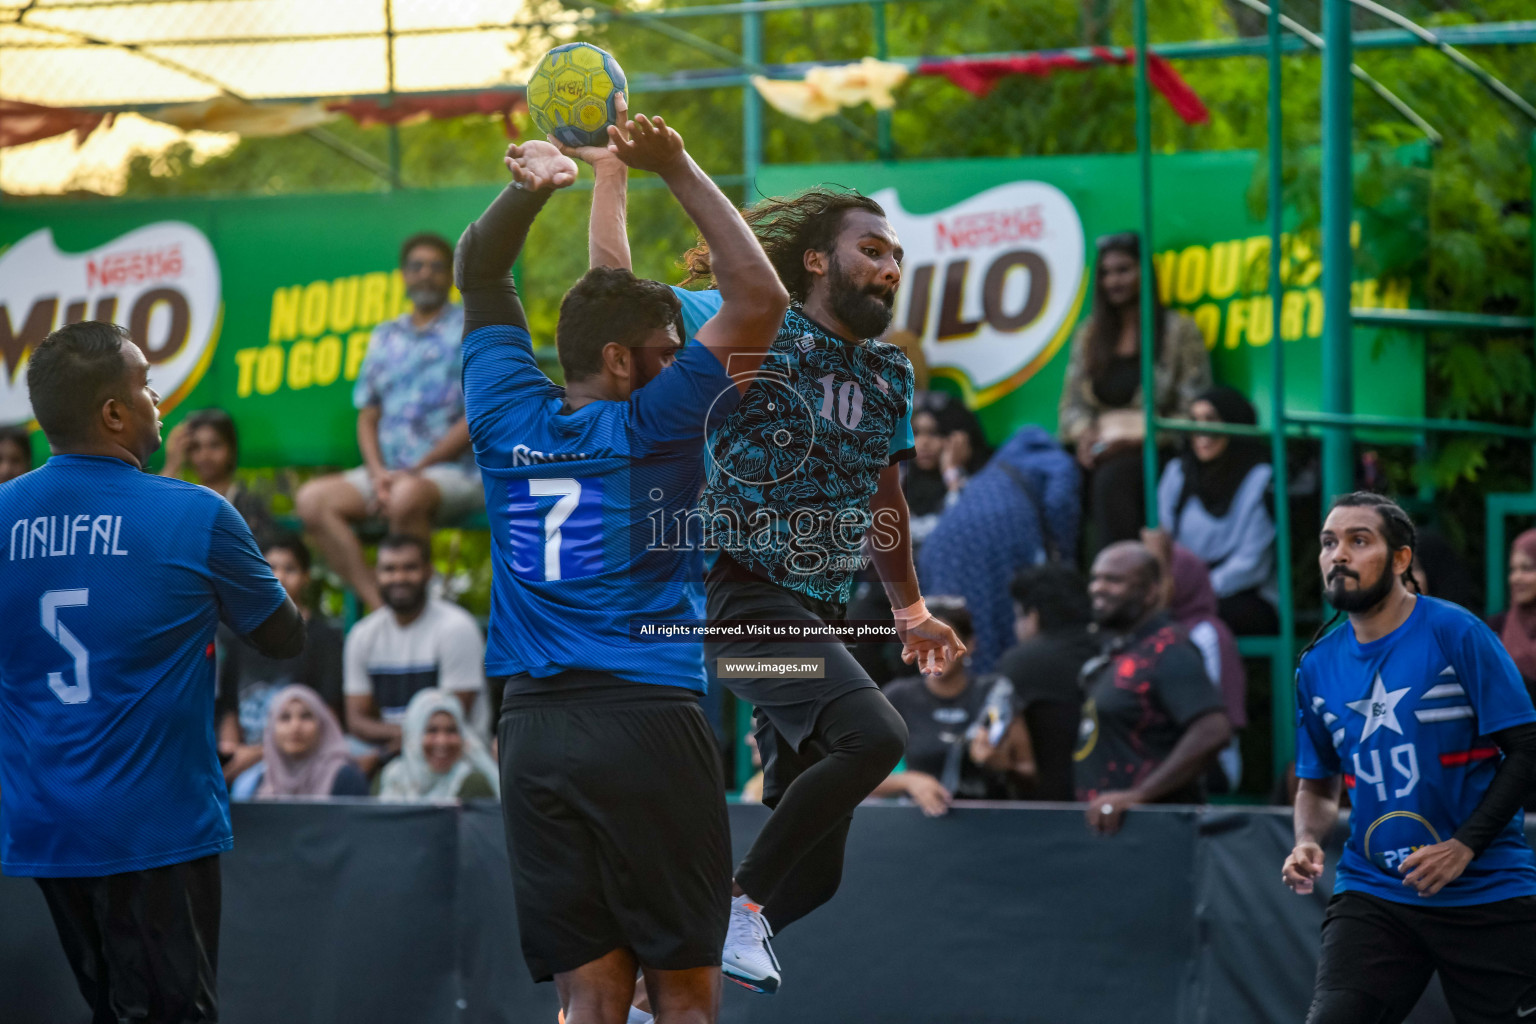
{"points": [[1379, 709]]}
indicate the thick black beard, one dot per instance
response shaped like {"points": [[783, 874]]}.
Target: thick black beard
{"points": [[866, 315], [1122, 618], [405, 606], [1362, 599]]}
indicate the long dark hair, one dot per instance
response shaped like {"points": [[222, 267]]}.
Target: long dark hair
{"points": [[1106, 322], [788, 226], [1397, 530]]}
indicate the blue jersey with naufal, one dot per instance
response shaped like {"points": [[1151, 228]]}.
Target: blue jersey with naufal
{"points": [[114, 582], [579, 504], [795, 468], [1407, 720]]}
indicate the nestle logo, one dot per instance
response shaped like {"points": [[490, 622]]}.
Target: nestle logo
{"points": [[989, 228]]}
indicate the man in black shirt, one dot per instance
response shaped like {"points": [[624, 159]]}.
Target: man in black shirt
{"points": [[1152, 720], [248, 679], [1055, 640]]}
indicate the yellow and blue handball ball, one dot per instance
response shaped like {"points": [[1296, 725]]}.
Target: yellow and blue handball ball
{"points": [[571, 94]]}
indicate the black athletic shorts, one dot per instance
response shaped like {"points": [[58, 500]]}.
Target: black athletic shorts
{"points": [[144, 945], [614, 802], [1485, 954], [790, 706]]}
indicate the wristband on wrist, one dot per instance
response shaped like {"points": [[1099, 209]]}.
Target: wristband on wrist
{"points": [[912, 615]]}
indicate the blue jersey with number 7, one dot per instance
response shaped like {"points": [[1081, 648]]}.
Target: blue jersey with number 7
{"points": [[114, 582], [589, 513]]}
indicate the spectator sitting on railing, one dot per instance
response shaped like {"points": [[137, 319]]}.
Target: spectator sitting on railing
{"points": [[1101, 413], [417, 467], [1152, 721], [940, 712], [415, 643], [1053, 619], [248, 679], [1517, 625], [15, 453], [1214, 499], [441, 759], [304, 753], [208, 441]]}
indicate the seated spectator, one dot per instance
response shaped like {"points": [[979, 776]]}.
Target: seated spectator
{"points": [[440, 759], [1021, 509], [1517, 625], [1053, 620], [304, 753], [15, 453], [417, 465], [248, 679], [939, 712], [1193, 604], [414, 643], [936, 474], [1214, 499], [1152, 721], [208, 442], [1102, 412]]}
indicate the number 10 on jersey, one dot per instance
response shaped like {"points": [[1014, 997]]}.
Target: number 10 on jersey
{"points": [[556, 527]]}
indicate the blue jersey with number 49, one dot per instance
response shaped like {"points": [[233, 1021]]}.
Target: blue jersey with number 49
{"points": [[112, 583], [1407, 720], [584, 510]]}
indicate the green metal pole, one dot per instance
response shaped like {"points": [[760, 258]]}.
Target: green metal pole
{"points": [[389, 57], [1283, 685], [883, 139], [751, 102], [1338, 200], [1148, 328]]}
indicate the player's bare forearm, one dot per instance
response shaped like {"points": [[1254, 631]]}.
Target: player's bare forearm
{"points": [[608, 232], [368, 439], [1317, 809], [363, 723], [448, 447], [890, 540], [1204, 737]]}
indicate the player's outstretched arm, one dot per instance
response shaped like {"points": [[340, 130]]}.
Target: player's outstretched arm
{"points": [[926, 642], [482, 262], [607, 232], [752, 299], [1317, 813]]}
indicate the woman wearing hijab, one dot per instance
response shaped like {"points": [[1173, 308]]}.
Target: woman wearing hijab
{"points": [[440, 758], [304, 752], [1517, 626], [1214, 500], [1101, 415], [1192, 603]]}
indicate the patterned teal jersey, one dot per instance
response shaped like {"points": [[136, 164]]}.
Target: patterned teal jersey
{"points": [[794, 469]]}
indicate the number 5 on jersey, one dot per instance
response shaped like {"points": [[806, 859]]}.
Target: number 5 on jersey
{"points": [[80, 691], [556, 527]]}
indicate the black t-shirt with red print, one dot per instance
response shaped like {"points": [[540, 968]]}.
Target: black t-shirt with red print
{"points": [[1141, 694]]}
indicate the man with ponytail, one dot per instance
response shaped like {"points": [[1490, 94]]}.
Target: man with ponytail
{"points": [[1416, 708]]}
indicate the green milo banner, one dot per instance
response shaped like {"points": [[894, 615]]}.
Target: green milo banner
{"points": [[260, 306], [998, 273], [264, 306]]}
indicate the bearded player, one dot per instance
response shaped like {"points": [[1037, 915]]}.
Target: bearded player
{"points": [[611, 782], [1418, 707], [802, 472]]}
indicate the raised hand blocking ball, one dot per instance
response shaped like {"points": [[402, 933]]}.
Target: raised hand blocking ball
{"points": [[572, 91]]}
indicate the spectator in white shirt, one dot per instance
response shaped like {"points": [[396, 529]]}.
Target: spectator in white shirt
{"points": [[411, 644]]}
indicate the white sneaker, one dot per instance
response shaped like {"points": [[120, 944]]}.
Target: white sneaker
{"points": [[748, 959], [639, 1016]]}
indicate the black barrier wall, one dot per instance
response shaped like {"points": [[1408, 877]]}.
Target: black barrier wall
{"points": [[362, 913]]}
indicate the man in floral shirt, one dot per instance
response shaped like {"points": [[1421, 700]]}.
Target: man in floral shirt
{"points": [[417, 465]]}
